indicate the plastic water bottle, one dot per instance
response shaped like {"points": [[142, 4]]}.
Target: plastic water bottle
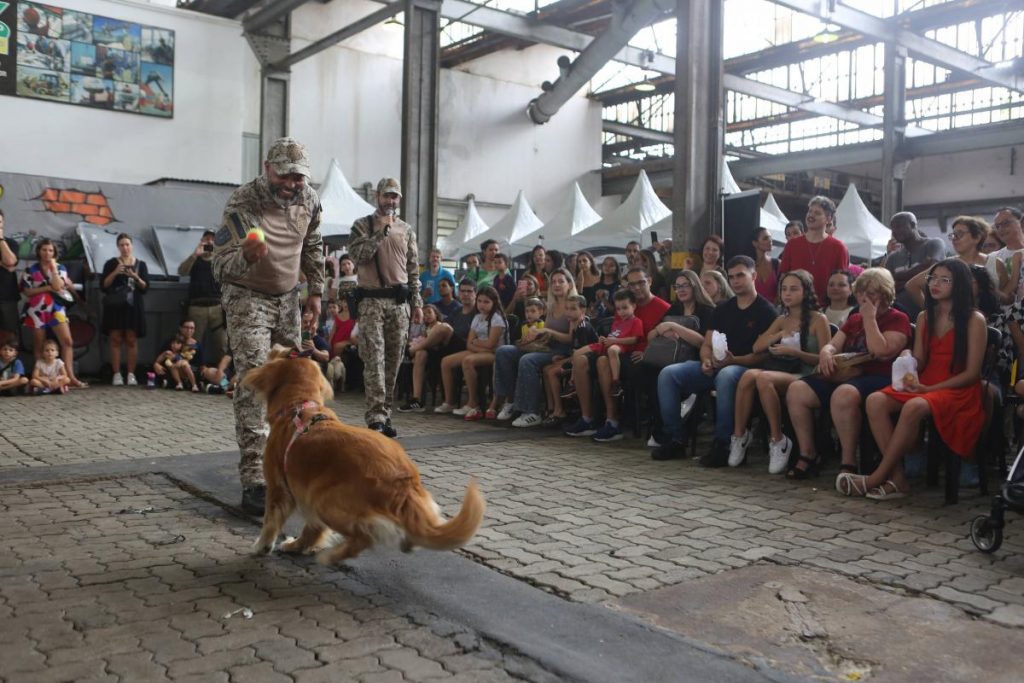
{"points": [[151, 380]]}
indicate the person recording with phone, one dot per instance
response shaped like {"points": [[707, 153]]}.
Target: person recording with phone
{"points": [[124, 282], [204, 299]]}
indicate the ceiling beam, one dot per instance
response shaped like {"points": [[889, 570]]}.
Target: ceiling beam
{"points": [[649, 134], [269, 13], [620, 179], [355, 28], [923, 48], [809, 104], [522, 27]]}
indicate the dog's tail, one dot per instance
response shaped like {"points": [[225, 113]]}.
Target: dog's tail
{"points": [[423, 526]]}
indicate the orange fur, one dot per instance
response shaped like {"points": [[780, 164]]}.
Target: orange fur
{"points": [[351, 480]]}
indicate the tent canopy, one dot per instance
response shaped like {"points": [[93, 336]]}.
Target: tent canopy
{"points": [[864, 236], [520, 220], [640, 211], [575, 215], [472, 225], [341, 205], [772, 207]]}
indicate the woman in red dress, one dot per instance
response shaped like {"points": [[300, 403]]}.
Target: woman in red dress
{"points": [[950, 349]]}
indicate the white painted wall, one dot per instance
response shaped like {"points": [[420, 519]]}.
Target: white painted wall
{"points": [[203, 140], [966, 176], [346, 103]]}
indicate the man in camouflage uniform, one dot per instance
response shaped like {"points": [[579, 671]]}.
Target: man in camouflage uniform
{"points": [[384, 248], [259, 285]]}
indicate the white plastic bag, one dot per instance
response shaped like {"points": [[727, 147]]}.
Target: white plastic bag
{"points": [[791, 340], [719, 345], [904, 369]]}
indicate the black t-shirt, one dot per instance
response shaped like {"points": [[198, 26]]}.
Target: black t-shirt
{"points": [[460, 323], [9, 279], [702, 312], [202, 286], [743, 327]]}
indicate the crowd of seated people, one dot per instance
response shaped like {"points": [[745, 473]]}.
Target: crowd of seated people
{"points": [[804, 341]]}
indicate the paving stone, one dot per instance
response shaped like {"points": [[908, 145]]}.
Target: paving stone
{"points": [[411, 664]]}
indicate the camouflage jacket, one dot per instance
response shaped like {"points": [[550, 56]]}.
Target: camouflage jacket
{"points": [[293, 240], [394, 252]]}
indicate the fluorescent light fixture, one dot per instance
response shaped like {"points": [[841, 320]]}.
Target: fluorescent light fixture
{"points": [[644, 86]]}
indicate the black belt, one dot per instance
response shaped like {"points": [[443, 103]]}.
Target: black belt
{"points": [[204, 302]]}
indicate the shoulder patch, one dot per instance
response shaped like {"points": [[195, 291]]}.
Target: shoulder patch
{"points": [[236, 223], [222, 237]]}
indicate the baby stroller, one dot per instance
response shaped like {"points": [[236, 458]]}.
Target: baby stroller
{"points": [[987, 530]]}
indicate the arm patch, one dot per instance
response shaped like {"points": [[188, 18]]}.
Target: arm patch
{"points": [[222, 237]]}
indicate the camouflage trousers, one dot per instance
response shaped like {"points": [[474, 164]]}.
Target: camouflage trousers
{"points": [[383, 330], [255, 323]]}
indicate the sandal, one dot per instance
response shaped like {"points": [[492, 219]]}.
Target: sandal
{"points": [[491, 415], [553, 420], [810, 468], [886, 491], [473, 415], [852, 484]]}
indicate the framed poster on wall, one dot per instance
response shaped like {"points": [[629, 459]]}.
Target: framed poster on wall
{"points": [[78, 58]]}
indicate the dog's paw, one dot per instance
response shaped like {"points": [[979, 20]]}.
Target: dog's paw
{"points": [[290, 545], [261, 547]]}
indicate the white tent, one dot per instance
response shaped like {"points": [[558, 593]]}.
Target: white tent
{"points": [[519, 221], [640, 211], [864, 236], [471, 226], [729, 184], [574, 216], [772, 207], [341, 205]]}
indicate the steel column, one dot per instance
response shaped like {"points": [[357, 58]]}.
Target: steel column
{"points": [[894, 129], [699, 126], [420, 84]]}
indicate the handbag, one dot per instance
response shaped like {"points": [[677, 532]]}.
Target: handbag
{"points": [[664, 351], [119, 296], [848, 366], [64, 298]]}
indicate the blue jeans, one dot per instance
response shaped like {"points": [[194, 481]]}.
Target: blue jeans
{"points": [[519, 374], [678, 381]]}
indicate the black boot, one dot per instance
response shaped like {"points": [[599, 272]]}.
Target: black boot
{"points": [[718, 456], [254, 498], [673, 450]]}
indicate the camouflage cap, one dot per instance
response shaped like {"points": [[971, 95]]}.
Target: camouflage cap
{"points": [[389, 185], [288, 155]]}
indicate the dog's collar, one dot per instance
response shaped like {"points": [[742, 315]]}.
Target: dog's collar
{"points": [[301, 426]]}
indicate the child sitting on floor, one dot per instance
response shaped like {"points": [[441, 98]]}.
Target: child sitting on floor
{"points": [[173, 360], [12, 372], [50, 376]]}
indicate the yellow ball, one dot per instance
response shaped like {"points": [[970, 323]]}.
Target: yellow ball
{"points": [[256, 234]]}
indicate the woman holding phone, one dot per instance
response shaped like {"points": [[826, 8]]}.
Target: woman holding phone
{"points": [[124, 282]]}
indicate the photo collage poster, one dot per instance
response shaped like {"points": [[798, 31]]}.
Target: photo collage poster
{"points": [[61, 55]]}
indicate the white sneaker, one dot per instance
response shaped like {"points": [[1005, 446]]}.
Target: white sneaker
{"points": [[778, 455], [738, 449], [653, 443], [527, 420], [118, 380], [444, 408], [461, 411], [687, 406], [506, 412], [132, 382]]}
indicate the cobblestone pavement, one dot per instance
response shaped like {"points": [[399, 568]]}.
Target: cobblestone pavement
{"points": [[588, 522], [93, 588]]}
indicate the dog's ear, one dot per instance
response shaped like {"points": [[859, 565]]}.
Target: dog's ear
{"points": [[278, 351], [263, 379]]}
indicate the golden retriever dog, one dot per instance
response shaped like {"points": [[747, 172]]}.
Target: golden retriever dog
{"points": [[346, 479]]}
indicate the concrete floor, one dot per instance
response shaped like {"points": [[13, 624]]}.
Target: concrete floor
{"points": [[123, 555]]}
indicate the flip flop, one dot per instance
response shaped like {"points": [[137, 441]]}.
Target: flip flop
{"points": [[887, 491], [850, 484]]}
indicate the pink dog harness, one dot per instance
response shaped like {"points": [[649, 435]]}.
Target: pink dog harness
{"points": [[301, 426]]}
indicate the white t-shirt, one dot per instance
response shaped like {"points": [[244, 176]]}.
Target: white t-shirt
{"points": [[1006, 256], [479, 325]]}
